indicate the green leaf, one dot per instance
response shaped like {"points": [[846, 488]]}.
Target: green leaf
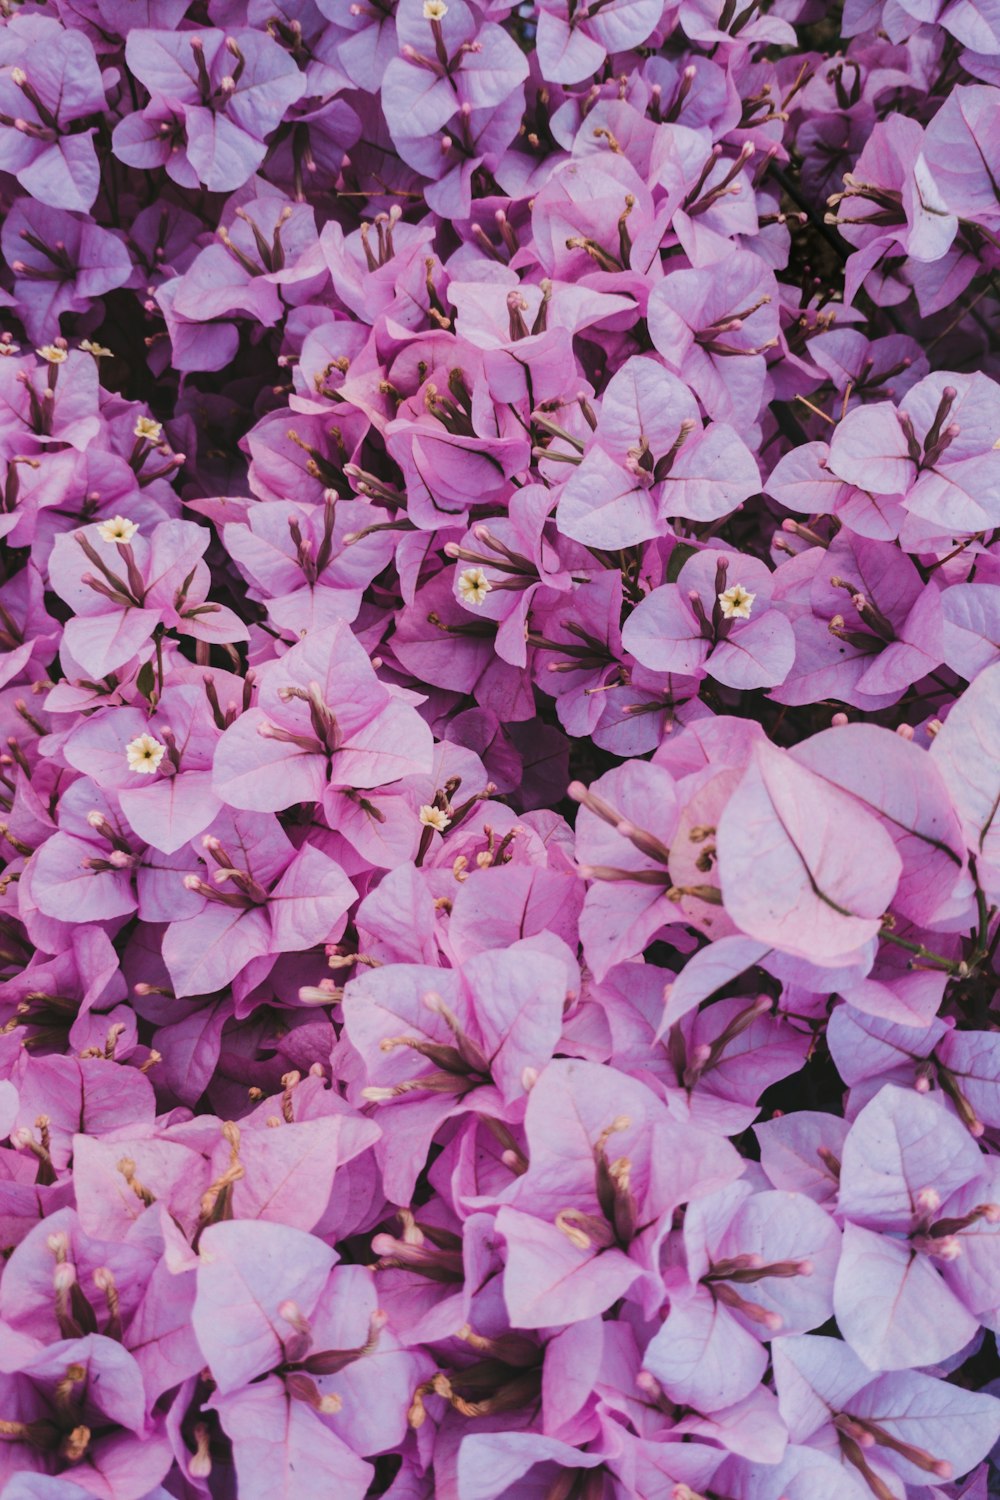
{"points": [[678, 558], [146, 680]]}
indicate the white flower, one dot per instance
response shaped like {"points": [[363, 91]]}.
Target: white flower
{"points": [[146, 428], [97, 350], [52, 354], [736, 602], [118, 529], [434, 817], [435, 10], [473, 585], [144, 754]]}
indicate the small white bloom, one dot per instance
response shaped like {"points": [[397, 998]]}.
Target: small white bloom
{"points": [[118, 529], [736, 602], [144, 754], [434, 817], [435, 10], [473, 585], [97, 350], [52, 354], [146, 428]]}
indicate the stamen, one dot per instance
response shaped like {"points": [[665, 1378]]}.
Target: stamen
{"points": [[126, 1166], [302, 1388], [584, 1231], [200, 1463]]}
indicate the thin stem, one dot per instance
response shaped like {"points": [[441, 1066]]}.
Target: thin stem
{"points": [[953, 966]]}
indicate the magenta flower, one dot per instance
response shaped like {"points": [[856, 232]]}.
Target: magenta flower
{"points": [[580, 1227], [159, 766], [124, 587], [499, 682], [435, 1044], [215, 99], [650, 459], [800, 836], [261, 898], [714, 333], [714, 618], [934, 451], [61, 262], [889, 1428], [49, 81], [296, 558], [754, 1264], [920, 1233], [327, 722]]}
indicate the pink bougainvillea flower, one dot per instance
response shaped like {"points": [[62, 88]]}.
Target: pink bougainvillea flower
{"points": [[215, 97], [322, 721]]}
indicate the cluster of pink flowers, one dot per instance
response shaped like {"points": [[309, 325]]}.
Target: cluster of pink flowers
{"points": [[500, 697]]}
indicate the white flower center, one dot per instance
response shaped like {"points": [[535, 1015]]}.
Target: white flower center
{"points": [[736, 602], [144, 754], [473, 585], [118, 529], [434, 817]]}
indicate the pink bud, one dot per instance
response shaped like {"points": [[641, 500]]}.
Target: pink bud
{"points": [[64, 1276]]}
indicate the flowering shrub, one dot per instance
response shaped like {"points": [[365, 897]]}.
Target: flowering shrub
{"points": [[500, 692]]}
